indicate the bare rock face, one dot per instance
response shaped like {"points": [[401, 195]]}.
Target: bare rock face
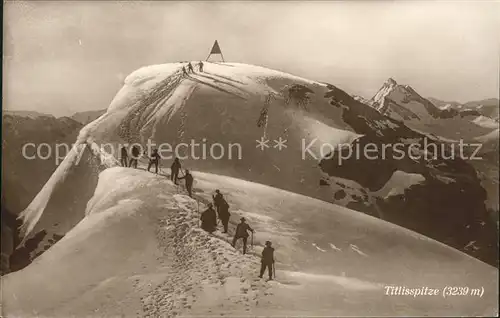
{"points": [[15, 257], [7, 249], [339, 195]]}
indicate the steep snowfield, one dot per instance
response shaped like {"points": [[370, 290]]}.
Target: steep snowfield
{"points": [[139, 252]]}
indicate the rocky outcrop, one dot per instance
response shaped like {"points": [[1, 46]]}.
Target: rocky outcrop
{"points": [[15, 257], [469, 112]]}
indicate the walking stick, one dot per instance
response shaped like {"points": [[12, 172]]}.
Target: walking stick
{"points": [[199, 219], [274, 270], [159, 167], [252, 240]]}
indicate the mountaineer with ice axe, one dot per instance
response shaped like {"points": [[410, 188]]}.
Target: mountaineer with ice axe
{"points": [[222, 208], [241, 232]]}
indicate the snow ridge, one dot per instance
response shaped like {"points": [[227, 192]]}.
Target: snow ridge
{"points": [[214, 268]]}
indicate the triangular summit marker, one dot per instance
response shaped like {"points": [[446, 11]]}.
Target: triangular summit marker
{"points": [[215, 50]]}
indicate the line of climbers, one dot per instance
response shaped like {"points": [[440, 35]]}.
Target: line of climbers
{"points": [[209, 224], [190, 68], [154, 160], [209, 216]]}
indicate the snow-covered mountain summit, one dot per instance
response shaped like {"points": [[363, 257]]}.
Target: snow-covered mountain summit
{"points": [[226, 104], [239, 104]]}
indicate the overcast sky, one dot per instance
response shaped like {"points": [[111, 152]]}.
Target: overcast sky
{"points": [[64, 57]]}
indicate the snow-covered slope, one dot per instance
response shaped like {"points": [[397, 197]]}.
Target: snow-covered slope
{"points": [[139, 252], [223, 106]]}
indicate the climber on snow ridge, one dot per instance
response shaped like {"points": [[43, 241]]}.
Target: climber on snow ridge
{"points": [[154, 159], [267, 260], [174, 170], [242, 232], [189, 182], [209, 219]]}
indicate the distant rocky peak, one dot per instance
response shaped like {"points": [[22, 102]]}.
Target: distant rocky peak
{"points": [[391, 82]]}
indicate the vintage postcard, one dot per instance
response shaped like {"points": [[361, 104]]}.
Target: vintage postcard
{"points": [[250, 158]]}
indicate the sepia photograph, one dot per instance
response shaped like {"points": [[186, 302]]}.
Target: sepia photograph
{"points": [[250, 159]]}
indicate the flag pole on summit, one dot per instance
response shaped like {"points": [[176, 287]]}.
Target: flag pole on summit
{"points": [[215, 50]]}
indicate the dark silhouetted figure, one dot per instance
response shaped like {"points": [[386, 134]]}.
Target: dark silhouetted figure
{"points": [[200, 66], [224, 215], [218, 198], [267, 260], [184, 71], [190, 67], [189, 182], [135, 156], [174, 170], [124, 157], [154, 159], [242, 232], [209, 219]]}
